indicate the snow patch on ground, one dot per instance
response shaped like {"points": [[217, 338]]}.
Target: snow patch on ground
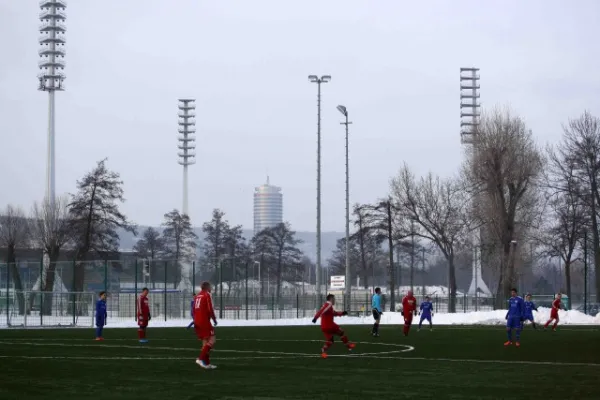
{"points": [[497, 317]]}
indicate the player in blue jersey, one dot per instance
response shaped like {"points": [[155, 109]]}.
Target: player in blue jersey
{"points": [[426, 312], [101, 315], [192, 311], [530, 307], [514, 318], [377, 312]]}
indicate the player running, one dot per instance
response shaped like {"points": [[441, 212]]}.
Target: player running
{"points": [[330, 328], [143, 315], [376, 306], [530, 307], [203, 314], [554, 312], [192, 311], [101, 315], [426, 312], [514, 318], [409, 307]]}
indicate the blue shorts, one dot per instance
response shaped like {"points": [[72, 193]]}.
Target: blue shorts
{"points": [[528, 318], [100, 323], [513, 322], [425, 317]]}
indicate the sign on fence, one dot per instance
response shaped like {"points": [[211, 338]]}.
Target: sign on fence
{"points": [[337, 282]]}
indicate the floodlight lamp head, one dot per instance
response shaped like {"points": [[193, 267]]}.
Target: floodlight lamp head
{"points": [[313, 78], [325, 78], [343, 110]]}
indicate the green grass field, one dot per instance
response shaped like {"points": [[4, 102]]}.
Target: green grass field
{"points": [[285, 363]]}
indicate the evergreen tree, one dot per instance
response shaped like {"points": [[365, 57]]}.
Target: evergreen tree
{"points": [[95, 217]]}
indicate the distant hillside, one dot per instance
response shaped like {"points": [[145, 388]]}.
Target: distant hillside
{"points": [[308, 245]]}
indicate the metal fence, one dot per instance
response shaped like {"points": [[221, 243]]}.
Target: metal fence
{"points": [[71, 309], [32, 294]]}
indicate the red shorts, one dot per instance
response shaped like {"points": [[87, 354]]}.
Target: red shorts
{"points": [[142, 322], [554, 314], [204, 331], [408, 318], [331, 330]]}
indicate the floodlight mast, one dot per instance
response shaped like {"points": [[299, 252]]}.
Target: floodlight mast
{"points": [[348, 284], [469, 126], [52, 63], [186, 146], [318, 81]]}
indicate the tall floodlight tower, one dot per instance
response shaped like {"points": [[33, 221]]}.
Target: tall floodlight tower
{"points": [[469, 121], [52, 64], [187, 157], [318, 81], [186, 146]]}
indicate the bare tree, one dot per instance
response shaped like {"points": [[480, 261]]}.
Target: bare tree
{"points": [[581, 147], [380, 221], [504, 168], [50, 231], [567, 213], [282, 247], [440, 208], [14, 235]]}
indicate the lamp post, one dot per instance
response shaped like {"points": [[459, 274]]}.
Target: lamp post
{"points": [[318, 81], [348, 286]]}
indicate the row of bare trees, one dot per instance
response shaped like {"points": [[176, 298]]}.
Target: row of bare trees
{"points": [[509, 191], [84, 224]]}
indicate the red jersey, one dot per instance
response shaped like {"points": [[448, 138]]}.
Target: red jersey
{"points": [[326, 313], [143, 307], [409, 304], [556, 304], [203, 309]]}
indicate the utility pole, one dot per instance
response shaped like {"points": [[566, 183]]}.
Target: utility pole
{"points": [[318, 81]]}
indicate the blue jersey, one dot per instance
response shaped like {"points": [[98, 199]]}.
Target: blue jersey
{"points": [[376, 302], [426, 308], [101, 312], [529, 308], [516, 308]]}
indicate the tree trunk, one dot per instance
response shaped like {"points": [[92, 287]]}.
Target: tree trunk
{"points": [[452, 284], [595, 233], [48, 286], [568, 279], [278, 290], [16, 277], [391, 255]]}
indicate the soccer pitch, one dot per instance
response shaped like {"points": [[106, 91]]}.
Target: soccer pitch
{"points": [[284, 363]]}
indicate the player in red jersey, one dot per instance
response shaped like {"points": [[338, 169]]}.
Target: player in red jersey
{"points": [[203, 314], [409, 308], [554, 312], [143, 315], [330, 328]]}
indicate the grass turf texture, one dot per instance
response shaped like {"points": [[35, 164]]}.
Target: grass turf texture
{"points": [[449, 363]]}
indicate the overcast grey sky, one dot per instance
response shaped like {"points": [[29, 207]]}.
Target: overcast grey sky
{"points": [[395, 65]]}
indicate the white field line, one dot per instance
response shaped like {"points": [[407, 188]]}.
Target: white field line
{"points": [[281, 355], [406, 348]]}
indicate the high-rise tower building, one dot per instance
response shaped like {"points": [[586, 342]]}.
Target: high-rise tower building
{"points": [[268, 207]]}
